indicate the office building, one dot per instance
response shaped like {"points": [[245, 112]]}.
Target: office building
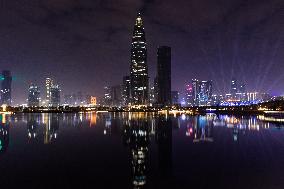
{"points": [[205, 93], [48, 85], [189, 100], [139, 86], [164, 76], [54, 96], [195, 92], [33, 96], [126, 90], [6, 88]]}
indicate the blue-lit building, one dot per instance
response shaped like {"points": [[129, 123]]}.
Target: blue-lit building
{"points": [[6, 88], [199, 93]]}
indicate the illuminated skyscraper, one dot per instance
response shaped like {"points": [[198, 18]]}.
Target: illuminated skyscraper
{"points": [[54, 96], [200, 92], [205, 93], [164, 75], [6, 88], [139, 85], [34, 95], [107, 96], [195, 92], [189, 95], [48, 85]]}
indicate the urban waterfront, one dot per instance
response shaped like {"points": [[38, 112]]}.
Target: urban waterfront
{"points": [[141, 150]]}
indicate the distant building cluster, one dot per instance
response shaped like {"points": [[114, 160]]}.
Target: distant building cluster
{"points": [[200, 93], [53, 96], [136, 89]]}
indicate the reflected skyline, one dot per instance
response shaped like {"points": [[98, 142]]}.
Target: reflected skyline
{"points": [[149, 143], [4, 135]]}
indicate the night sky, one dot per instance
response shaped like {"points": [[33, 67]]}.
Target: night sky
{"points": [[85, 44]]}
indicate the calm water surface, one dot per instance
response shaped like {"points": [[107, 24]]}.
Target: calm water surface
{"points": [[140, 150]]}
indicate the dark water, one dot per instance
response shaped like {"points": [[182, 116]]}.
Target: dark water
{"points": [[137, 150]]}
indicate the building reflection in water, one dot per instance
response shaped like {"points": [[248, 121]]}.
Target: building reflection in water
{"points": [[4, 134], [163, 137], [50, 123], [200, 128], [136, 137], [51, 127], [33, 121]]}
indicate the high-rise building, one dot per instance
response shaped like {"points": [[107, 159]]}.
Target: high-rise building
{"points": [[107, 96], [205, 93], [199, 93], [6, 88], [54, 96], [164, 75], [195, 92], [126, 90], [48, 85], [116, 95], [139, 85], [34, 95]]}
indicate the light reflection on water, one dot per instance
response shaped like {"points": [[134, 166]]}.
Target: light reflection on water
{"points": [[142, 134]]}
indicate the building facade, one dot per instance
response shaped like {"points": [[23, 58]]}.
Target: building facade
{"points": [[33, 96], [6, 88], [48, 85], [199, 93], [139, 86], [126, 90], [54, 96], [164, 75]]}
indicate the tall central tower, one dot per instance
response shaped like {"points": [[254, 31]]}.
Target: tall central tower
{"points": [[139, 85]]}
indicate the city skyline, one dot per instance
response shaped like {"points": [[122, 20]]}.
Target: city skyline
{"points": [[219, 45]]}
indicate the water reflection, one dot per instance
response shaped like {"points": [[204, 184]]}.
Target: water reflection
{"points": [[147, 137], [136, 137], [200, 128], [44, 126], [163, 138], [4, 134]]}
